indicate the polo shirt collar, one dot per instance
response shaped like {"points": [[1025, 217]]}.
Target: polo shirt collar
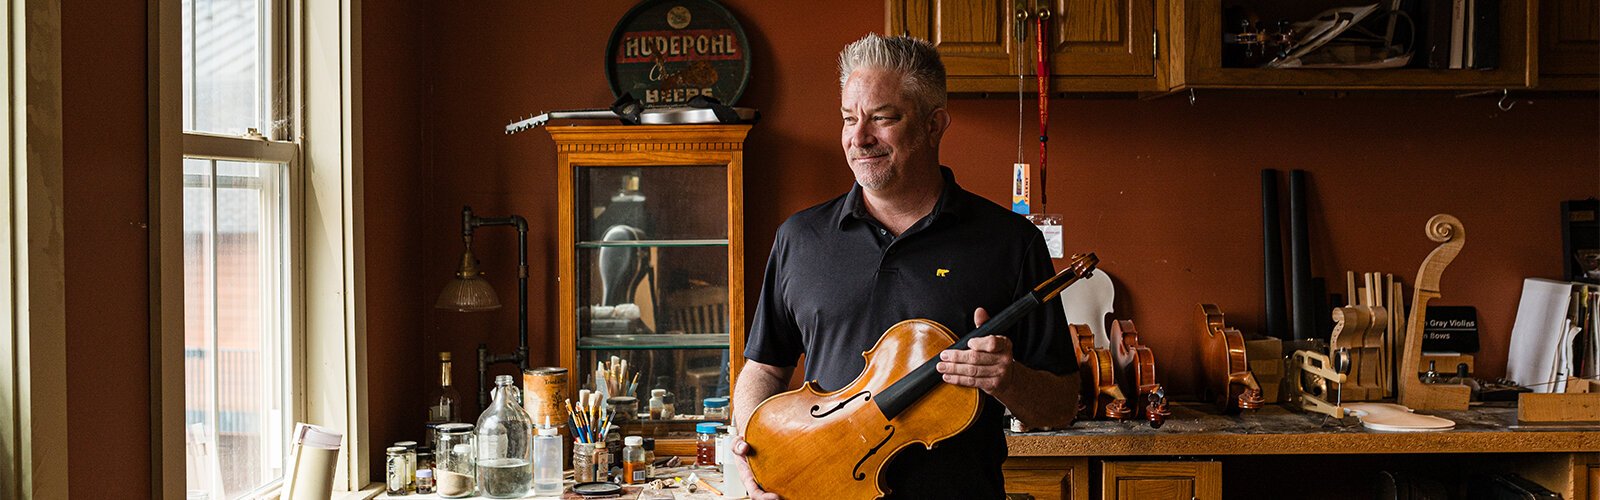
{"points": [[854, 207]]}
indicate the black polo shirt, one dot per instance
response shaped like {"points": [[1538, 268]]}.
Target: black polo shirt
{"points": [[836, 280]]}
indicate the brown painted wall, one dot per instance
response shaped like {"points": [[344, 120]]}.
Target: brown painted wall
{"points": [[106, 245], [1165, 192]]}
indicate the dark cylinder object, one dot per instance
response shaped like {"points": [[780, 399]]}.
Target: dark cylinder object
{"points": [[1300, 259], [1272, 254]]}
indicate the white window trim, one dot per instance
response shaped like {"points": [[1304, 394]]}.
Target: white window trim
{"points": [[33, 354], [330, 365]]}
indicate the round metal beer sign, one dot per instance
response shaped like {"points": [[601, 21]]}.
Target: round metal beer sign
{"points": [[666, 52]]}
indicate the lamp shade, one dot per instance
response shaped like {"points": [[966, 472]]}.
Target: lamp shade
{"points": [[468, 292]]}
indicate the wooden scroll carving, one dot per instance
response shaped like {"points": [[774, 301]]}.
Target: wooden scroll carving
{"points": [[1446, 230]]}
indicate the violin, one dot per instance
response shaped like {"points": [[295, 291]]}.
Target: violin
{"points": [[1137, 364], [1228, 378], [1101, 398], [842, 440]]}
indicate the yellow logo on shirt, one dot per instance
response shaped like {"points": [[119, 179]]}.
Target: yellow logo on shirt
{"points": [[941, 272]]}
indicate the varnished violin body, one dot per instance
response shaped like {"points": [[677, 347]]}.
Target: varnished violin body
{"points": [[851, 440], [1228, 378], [810, 444], [1101, 397], [1137, 364]]}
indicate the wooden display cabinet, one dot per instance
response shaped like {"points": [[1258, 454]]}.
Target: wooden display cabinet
{"points": [[1095, 45], [651, 262]]}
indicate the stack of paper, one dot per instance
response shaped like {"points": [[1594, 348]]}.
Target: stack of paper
{"points": [[1555, 335]]}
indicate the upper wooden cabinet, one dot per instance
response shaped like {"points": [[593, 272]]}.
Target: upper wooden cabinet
{"points": [[1201, 45], [1095, 45], [1569, 45], [1157, 46]]}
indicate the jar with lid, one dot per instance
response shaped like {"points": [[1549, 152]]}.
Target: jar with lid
{"points": [[658, 407], [624, 409], [455, 469], [505, 439], [633, 465], [705, 444], [411, 463], [425, 466], [715, 408], [395, 471]]}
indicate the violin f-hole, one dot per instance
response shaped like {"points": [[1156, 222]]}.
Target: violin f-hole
{"points": [[855, 472], [839, 406]]}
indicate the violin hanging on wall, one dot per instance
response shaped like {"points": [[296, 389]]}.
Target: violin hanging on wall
{"points": [[814, 444], [1228, 379]]}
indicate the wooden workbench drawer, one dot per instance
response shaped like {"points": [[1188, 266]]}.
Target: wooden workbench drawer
{"points": [[1048, 478], [1161, 480]]}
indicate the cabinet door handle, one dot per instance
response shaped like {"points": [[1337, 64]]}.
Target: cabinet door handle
{"points": [[1020, 26]]}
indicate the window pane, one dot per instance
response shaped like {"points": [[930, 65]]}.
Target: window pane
{"points": [[226, 70], [235, 325]]}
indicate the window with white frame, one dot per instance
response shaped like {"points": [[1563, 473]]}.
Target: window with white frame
{"points": [[238, 256]]}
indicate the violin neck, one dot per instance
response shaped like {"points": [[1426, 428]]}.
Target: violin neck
{"points": [[905, 392]]}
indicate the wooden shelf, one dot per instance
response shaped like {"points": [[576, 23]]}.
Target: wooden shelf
{"points": [[1196, 429]]}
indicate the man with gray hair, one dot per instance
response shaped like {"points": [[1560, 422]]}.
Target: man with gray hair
{"points": [[907, 242]]}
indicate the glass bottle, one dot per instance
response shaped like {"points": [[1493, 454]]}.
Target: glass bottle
{"points": [[456, 466], [547, 462], [649, 456], [505, 433], [633, 464], [602, 462], [443, 404], [395, 471], [658, 406]]}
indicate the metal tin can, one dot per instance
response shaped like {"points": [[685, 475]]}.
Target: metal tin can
{"points": [[542, 390]]}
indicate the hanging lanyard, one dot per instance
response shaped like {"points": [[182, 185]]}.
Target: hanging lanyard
{"points": [[1042, 28]]}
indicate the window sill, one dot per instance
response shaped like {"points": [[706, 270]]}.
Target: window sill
{"points": [[367, 492]]}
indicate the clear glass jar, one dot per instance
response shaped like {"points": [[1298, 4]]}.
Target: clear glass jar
{"points": [[715, 408], [705, 444], [504, 438], [455, 469], [395, 471], [411, 463]]}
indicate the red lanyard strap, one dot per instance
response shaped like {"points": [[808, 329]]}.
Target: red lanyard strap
{"points": [[1042, 46]]}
